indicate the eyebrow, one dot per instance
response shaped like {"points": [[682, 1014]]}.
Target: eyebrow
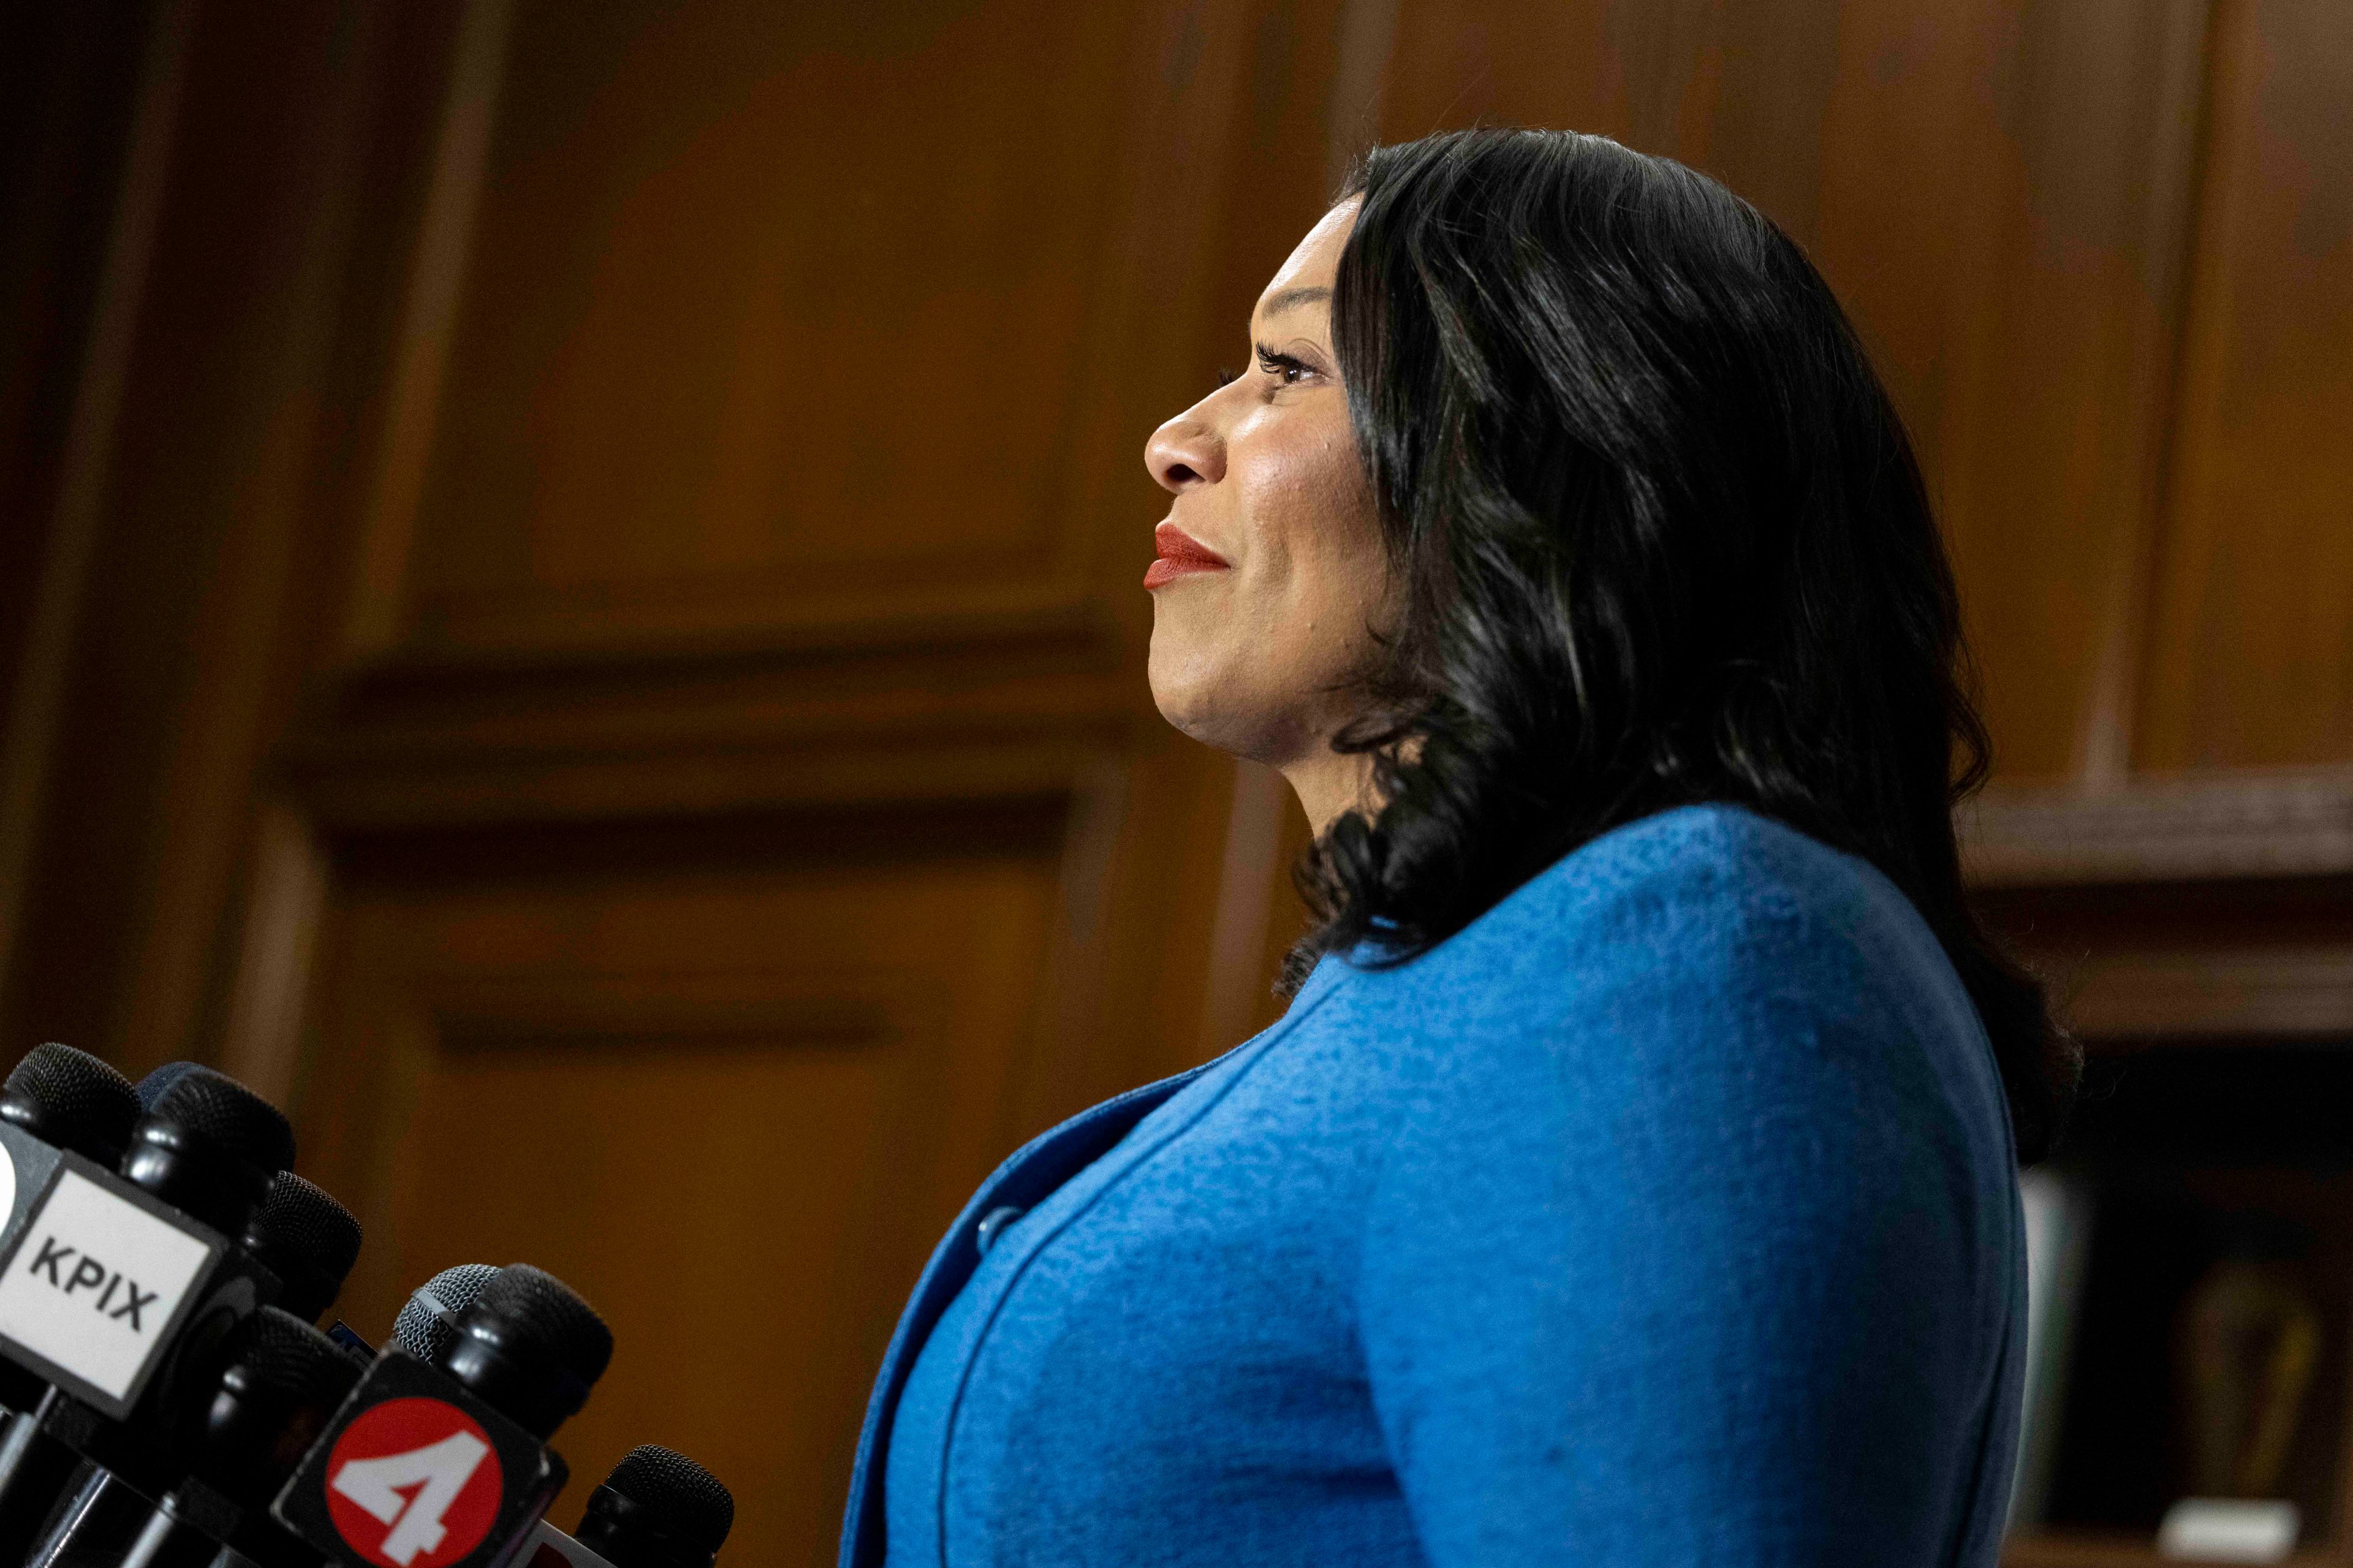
{"points": [[1285, 299]]}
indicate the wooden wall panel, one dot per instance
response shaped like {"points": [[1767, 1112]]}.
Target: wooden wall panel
{"points": [[1997, 190], [2024, 312], [773, 312], [732, 1098], [2251, 647], [140, 716]]}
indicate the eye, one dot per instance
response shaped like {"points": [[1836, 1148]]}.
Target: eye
{"points": [[1286, 370]]}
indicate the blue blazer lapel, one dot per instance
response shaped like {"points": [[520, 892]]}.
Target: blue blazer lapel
{"points": [[1033, 1173], [1029, 1176]]}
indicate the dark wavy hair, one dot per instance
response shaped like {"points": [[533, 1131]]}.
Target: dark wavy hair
{"points": [[1659, 538]]}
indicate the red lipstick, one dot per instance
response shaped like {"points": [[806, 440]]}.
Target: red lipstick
{"points": [[1181, 555]]}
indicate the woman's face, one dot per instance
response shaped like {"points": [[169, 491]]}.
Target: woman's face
{"points": [[1271, 577]]}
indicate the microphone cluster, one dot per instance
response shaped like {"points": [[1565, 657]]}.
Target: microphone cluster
{"points": [[167, 1399]]}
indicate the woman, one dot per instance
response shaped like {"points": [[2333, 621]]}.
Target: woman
{"points": [[1633, 1180]]}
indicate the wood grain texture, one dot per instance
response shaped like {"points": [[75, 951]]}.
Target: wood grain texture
{"points": [[744, 274], [170, 663], [49, 601], [2250, 659]]}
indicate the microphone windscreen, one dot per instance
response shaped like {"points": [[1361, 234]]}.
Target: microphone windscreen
{"points": [[308, 1239], [429, 1319], [533, 1304], [284, 1355], [151, 1087], [76, 1102], [679, 1498], [230, 1116]]}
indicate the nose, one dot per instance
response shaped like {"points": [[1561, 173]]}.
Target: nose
{"points": [[1185, 452]]}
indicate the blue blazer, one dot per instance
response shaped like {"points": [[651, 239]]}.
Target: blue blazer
{"points": [[1667, 1214]]}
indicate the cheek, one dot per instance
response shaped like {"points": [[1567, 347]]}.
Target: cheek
{"points": [[1316, 562], [1257, 662]]}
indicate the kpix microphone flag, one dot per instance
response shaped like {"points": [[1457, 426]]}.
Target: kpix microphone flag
{"points": [[58, 1100], [121, 1285], [106, 1267]]}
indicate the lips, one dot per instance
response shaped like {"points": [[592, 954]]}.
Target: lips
{"points": [[1181, 555]]}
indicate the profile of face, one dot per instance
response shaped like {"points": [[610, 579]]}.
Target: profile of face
{"points": [[1270, 582]]}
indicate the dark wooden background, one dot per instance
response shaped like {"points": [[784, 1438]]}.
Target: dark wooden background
{"points": [[568, 571]]}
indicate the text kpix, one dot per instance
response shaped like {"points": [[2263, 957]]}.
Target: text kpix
{"points": [[69, 1269]]}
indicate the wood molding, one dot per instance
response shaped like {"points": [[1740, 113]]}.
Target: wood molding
{"points": [[2181, 38], [442, 748], [2182, 827], [285, 911], [437, 281], [2091, 1549], [662, 627], [2271, 992]]}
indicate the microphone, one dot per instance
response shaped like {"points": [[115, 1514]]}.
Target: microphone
{"points": [[151, 1087], [209, 1147], [309, 1241], [117, 1282], [56, 1098], [283, 1382], [657, 1509], [70, 1100], [429, 1319], [442, 1462], [306, 1239]]}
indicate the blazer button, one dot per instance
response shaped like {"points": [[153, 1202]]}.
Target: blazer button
{"points": [[992, 1225]]}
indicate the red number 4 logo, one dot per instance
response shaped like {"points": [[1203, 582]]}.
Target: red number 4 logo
{"points": [[414, 1483]]}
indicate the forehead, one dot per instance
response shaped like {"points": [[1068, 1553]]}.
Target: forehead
{"points": [[1314, 262]]}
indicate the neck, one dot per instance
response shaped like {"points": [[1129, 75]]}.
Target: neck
{"points": [[1329, 783]]}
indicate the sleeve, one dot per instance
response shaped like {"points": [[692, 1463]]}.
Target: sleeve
{"points": [[1697, 1262]]}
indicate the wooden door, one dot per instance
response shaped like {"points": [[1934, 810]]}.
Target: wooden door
{"points": [[730, 1085]]}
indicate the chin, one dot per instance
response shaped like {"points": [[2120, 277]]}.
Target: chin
{"points": [[1187, 691], [1180, 704], [1213, 715]]}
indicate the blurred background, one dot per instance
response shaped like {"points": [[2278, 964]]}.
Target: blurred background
{"points": [[568, 609]]}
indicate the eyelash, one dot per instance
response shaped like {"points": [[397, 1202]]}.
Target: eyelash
{"points": [[1280, 365], [1274, 365]]}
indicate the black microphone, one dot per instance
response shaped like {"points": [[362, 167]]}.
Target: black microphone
{"points": [[282, 1384], [70, 1100], [309, 1241], [446, 1459], [56, 1098], [306, 1239], [209, 1147], [531, 1347], [151, 1087], [657, 1509], [117, 1282]]}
